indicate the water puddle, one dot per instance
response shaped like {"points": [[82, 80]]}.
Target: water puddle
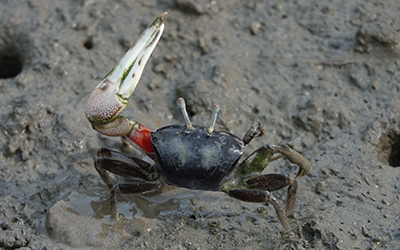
{"points": [[82, 217]]}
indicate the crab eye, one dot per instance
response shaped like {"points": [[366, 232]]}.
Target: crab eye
{"points": [[215, 110], [182, 105]]}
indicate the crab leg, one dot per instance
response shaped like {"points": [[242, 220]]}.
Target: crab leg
{"points": [[262, 196], [141, 173], [111, 96]]}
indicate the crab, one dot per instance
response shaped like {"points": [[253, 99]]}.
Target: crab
{"points": [[187, 156]]}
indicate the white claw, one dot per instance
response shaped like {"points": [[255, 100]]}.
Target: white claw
{"points": [[131, 66], [129, 69], [182, 105], [215, 110], [110, 97]]}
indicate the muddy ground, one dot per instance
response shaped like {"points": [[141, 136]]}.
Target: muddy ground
{"points": [[322, 76]]}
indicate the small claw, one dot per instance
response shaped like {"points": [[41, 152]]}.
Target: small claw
{"points": [[110, 97], [256, 130]]}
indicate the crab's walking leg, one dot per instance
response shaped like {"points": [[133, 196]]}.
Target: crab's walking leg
{"points": [[291, 197], [250, 185], [110, 162], [259, 159], [262, 196], [110, 97], [293, 156]]}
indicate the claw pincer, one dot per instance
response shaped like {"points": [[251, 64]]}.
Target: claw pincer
{"points": [[110, 97]]}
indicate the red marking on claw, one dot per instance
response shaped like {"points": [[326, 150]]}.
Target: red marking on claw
{"points": [[141, 137]]}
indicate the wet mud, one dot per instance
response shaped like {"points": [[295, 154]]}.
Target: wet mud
{"points": [[322, 76]]}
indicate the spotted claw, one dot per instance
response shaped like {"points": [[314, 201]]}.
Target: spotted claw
{"points": [[110, 97]]}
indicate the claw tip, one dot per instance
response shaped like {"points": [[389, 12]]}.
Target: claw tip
{"points": [[162, 16]]}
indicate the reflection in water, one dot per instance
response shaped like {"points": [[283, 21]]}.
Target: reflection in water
{"points": [[95, 203], [82, 218]]}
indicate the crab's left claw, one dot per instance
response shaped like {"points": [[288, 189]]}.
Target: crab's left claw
{"points": [[110, 97]]}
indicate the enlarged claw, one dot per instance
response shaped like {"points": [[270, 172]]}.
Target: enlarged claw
{"points": [[110, 97]]}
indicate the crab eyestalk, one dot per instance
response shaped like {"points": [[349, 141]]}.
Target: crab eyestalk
{"points": [[182, 105], [111, 96], [215, 110]]}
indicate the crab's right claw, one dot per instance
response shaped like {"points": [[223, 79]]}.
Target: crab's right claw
{"points": [[110, 97]]}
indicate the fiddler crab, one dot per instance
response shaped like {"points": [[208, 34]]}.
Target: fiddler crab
{"points": [[186, 156]]}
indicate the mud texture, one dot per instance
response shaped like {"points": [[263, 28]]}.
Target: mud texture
{"points": [[322, 76]]}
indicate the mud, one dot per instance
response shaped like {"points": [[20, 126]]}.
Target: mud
{"points": [[322, 76]]}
